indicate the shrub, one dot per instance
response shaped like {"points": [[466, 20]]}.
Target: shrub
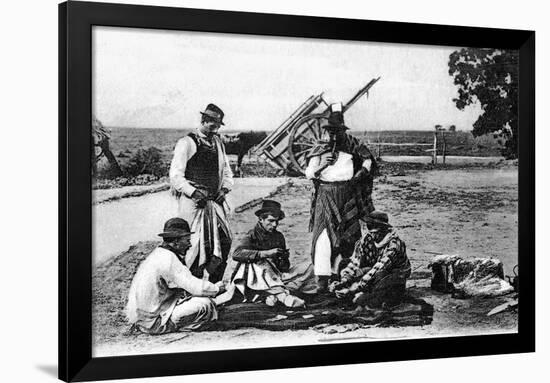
{"points": [[146, 161]]}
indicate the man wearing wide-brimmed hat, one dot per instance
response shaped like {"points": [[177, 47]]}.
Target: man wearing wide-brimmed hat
{"points": [[342, 169], [379, 267], [263, 268], [200, 178], [164, 295]]}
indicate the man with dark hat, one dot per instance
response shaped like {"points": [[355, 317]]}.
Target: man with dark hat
{"points": [[342, 169], [200, 178], [379, 267], [263, 266], [164, 295]]}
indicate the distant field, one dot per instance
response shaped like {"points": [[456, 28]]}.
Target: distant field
{"points": [[125, 141]]}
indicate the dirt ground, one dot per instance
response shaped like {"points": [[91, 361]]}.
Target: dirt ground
{"points": [[470, 211]]}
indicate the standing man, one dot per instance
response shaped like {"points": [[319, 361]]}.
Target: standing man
{"points": [[378, 270], [164, 295], [342, 170], [200, 177]]}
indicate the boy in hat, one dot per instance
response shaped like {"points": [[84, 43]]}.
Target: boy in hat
{"points": [[200, 178], [378, 270], [164, 295], [263, 265], [342, 170]]}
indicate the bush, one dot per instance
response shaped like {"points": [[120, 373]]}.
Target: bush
{"points": [[146, 161]]}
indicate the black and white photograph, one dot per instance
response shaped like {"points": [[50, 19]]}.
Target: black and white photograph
{"points": [[289, 191], [260, 191]]}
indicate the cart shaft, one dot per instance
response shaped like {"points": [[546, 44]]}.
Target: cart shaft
{"points": [[360, 94]]}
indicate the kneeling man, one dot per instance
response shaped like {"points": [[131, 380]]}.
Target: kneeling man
{"points": [[263, 265], [379, 267], [164, 295]]}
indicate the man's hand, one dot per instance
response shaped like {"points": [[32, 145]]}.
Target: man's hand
{"points": [[220, 197], [221, 286], [342, 293], [325, 163], [349, 272], [334, 285], [271, 253], [198, 195], [328, 160]]}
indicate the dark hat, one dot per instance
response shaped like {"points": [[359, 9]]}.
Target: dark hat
{"points": [[271, 207], [175, 228], [378, 218], [214, 112], [335, 119]]}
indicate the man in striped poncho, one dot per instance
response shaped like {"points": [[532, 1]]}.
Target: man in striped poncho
{"points": [[342, 170]]}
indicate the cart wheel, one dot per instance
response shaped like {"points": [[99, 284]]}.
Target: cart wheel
{"points": [[304, 135]]}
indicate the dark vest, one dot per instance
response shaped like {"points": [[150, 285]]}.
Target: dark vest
{"points": [[202, 169]]}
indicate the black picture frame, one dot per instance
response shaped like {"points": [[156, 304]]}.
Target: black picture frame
{"points": [[75, 210]]}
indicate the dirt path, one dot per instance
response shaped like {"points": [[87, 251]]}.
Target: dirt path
{"points": [[471, 212], [120, 221]]}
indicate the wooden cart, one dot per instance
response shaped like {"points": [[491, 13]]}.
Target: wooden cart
{"points": [[287, 146]]}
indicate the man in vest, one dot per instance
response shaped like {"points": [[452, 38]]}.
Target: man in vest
{"points": [[200, 178]]}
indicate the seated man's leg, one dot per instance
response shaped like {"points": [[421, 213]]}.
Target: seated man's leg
{"points": [[388, 289], [300, 278], [193, 313], [290, 300]]}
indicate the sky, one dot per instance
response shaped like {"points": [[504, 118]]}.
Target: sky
{"points": [[163, 79]]}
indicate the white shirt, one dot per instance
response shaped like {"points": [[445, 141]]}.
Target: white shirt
{"points": [[153, 293], [341, 170]]}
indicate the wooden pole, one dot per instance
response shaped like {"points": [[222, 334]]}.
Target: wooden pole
{"points": [[444, 145], [434, 160]]}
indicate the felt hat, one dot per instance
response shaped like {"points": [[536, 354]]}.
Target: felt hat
{"points": [[214, 112], [378, 218], [175, 228], [271, 207]]}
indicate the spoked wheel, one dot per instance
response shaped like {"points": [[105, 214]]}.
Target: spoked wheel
{"points": [[304, 135]]}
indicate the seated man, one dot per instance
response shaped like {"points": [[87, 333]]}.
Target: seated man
{"points": [[378, 269], [164, 295], [263, 268]]}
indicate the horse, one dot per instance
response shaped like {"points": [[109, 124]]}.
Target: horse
{"points": [[240, 144]]}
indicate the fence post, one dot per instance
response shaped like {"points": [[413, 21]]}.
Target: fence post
{"points": [[434, 159], [444, 145]]}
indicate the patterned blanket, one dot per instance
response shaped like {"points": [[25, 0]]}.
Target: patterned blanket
{"points": [[411, 312]]}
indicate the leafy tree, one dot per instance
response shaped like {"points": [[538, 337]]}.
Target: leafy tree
{"points": [[489, 77]]}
